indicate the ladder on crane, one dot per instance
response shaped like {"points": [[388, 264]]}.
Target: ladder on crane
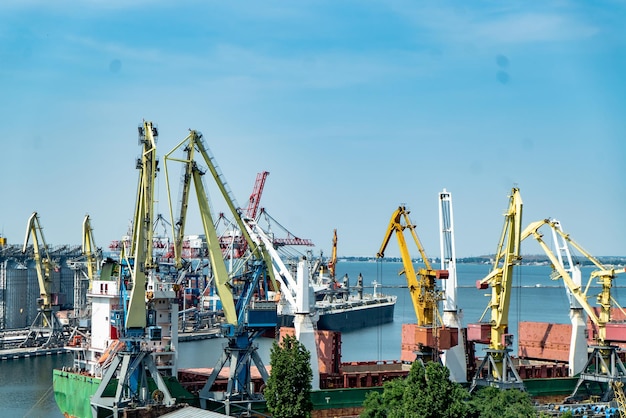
{"points": [[618, 390]]}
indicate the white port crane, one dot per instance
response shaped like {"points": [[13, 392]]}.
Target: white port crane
{"points": [[453, 358], [603, 365]]}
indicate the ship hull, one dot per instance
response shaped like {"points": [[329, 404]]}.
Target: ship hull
{"points": [[73, 392], [346, 317]]}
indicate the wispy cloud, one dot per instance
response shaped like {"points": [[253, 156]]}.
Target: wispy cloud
{"points": [[496, 25], [532, 27]]}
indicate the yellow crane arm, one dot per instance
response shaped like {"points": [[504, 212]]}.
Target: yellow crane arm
{"points": [[421, 284], [501, 277], [178, 227], [215, 252], [259, 250], [44, 264], [333, 259], [89, 250], [141, 241], [604, 275]]}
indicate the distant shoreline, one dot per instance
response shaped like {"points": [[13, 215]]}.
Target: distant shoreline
{"points": [[527, 260]]}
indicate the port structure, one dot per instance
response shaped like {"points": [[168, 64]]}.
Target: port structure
{"points": [[497, 368], [144, 296], [455, 358], [603, 364], [46, 330], [85, 272], [253, 270], [240, 352], [429, 335]]}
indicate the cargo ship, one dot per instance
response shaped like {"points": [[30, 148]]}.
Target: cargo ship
{"points": [[339, 309]]}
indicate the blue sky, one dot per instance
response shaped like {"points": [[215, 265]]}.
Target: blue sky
{"points": [[353, 107]]}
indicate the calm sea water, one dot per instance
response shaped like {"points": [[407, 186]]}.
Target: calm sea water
{"points": [[26, 385]]}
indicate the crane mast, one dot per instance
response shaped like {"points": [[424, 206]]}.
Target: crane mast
{"points": [[454, 358], [497, 369], [603, 363]]}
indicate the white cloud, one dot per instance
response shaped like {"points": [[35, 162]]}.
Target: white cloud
{"points": [[532, 27]]}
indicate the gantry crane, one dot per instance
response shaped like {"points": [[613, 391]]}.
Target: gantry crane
{"points": [[422, 286], [149, 299], [496, 368], [247, 318], [603, 365], [455, 359], [46, 330]]}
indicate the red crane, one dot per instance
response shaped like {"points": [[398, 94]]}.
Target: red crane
{"points": [[255, 197], [233, 245]]}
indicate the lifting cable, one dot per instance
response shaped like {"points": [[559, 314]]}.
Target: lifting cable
{"points": [[379, 331]]}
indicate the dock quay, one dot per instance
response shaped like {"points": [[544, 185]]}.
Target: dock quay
{"points": [[27, 352]]}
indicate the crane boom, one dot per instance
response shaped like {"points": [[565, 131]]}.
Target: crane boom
{"points": [[421, 284], [603, 274], [332, 263], [141, 242], [89, 250], [255, 197]]}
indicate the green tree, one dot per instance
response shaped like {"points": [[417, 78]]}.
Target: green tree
{"points": [[426, 392], [491, 402], [288, 390]]}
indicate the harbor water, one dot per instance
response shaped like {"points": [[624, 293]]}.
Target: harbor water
{"points": [[26, 384]]}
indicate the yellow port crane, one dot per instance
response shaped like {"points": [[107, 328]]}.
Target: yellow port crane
{"points": [[497, 369], [603, 365], [428, 335], [332, 263], [46, 330], [89, 249], [424, 293]]}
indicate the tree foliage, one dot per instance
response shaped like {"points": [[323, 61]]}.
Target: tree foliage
{"points": [[428, 392], [288, 390], [490, 402]]}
